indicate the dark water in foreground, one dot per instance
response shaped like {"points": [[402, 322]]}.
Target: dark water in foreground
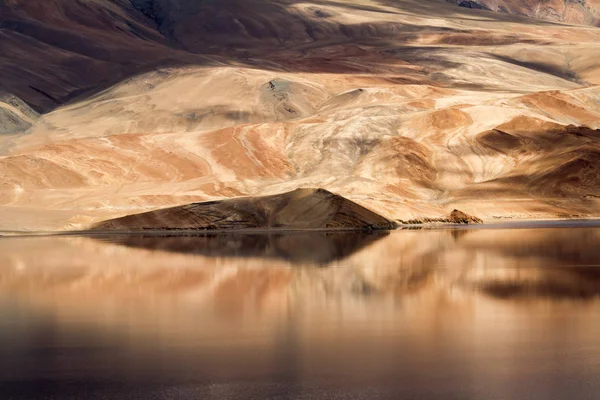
{"points": [[441, 314]]}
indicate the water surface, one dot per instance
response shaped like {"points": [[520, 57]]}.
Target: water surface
{"points": [[421, 314]]}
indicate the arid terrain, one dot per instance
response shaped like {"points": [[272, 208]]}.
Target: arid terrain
{"points": [[409, 108], [584, 12]]}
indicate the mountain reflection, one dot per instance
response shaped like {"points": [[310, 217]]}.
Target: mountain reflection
{"points": [[412, 314], [295, 247], [555, 263], [523, 263]]}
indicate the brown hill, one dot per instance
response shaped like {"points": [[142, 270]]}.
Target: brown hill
{"points": [[300, 209]]}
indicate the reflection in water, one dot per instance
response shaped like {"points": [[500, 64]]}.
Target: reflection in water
{"points": [[295, 247], [469, 314]]}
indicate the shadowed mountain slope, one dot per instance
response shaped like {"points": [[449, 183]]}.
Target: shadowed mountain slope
{"points": [[300, 209], [54, 50], [87, 45]]}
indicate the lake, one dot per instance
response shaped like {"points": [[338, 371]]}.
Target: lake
{"points": [[511, 312]]}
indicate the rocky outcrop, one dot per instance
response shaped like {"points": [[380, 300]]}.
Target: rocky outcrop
{"points": [[455, 217], [15, 115], [459, 217], [472, 4], [300, 209], [583, 12]]}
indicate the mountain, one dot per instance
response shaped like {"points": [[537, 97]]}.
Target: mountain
{"points": [[54, 50], [299, 209], [408, 108], [583, 12]]}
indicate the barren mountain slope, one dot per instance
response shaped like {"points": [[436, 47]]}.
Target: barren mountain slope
{"points": [[410, 108], [299, 209], [584, 12], [54, 50]]}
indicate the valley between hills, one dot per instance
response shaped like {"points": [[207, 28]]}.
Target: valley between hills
{"points": [[410, 109]]}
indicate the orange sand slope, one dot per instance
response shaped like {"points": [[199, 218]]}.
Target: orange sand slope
{"points": [[408, 108]]}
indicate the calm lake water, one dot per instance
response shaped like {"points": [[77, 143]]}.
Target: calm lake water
{"points": [[415, 314]]}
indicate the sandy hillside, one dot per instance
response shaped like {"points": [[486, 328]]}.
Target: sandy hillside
{"points": [[408, 108]]}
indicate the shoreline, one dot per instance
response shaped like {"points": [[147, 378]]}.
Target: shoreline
{"points": [[489, 224]]}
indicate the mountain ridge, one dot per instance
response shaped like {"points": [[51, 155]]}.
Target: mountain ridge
{"points": [[411, 109]]}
